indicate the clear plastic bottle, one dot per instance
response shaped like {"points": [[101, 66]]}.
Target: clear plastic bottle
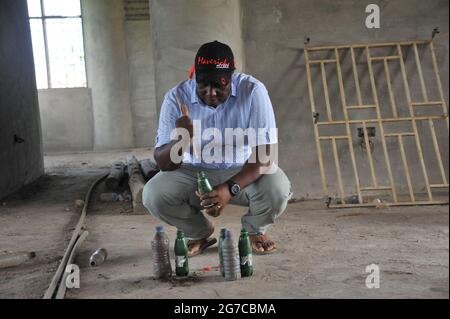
{"points": [[98, 257], [160, 254], [231, 265], [221, 238]]}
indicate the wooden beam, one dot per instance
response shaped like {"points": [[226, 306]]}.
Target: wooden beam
{"points": [[136, 182], [116, 175]]}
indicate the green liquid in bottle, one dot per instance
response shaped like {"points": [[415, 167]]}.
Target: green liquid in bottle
{"points": [[204, 186], [245, 254], [181, 255]]}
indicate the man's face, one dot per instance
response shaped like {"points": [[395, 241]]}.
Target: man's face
{"points": [[214, 93]]}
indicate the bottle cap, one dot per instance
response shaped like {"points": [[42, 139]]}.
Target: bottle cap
{"points": [[159, 229], [180, 233], [223, 230], [201, 174], [244, 232], [228, 234]]}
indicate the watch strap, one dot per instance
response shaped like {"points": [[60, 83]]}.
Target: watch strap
{"points": [[230, 184]]}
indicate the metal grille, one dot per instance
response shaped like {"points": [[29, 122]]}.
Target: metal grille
{"points": [[137, 10], [390, 106]]}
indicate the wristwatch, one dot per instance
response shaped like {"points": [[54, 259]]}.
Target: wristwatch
{"points": [[233, 187]]}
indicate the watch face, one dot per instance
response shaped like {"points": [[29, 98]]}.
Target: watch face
{"points": [[235, 189]]}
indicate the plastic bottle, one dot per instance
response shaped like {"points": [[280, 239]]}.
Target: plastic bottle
{"points": [[98, 257], [10, 259], [181, 255], [230, 258], [245, 254], [221, 238], [160, 254]]}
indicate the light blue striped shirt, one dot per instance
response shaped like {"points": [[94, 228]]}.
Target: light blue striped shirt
{"points": [[247, 107]]}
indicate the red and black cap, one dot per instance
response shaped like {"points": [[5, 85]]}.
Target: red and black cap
{"points": [[214, 62]]}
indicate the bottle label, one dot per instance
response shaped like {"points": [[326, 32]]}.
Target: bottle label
{"points": [[180, 260], [247, 260]]}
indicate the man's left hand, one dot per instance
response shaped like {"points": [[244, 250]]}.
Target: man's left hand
{"points": [[219, 197]]}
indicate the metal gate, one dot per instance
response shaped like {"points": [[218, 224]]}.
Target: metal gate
{"points": [[391, 107]]}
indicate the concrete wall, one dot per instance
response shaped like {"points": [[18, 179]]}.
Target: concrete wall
{"points": [[274, 33], [181, 27], [132, 64], [20, 163], [120, 100], [107, 73], [67, 120], [142, 82]]}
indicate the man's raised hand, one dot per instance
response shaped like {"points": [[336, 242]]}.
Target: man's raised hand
{"points": [[184, 121]]}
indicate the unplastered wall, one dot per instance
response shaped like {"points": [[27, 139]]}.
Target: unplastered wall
{"points": [[141, 72], [179, 28], [118, 108], [21, 159], [268, 40], [274, 32], [67, 120]]}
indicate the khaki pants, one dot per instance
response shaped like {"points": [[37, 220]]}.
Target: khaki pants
{"points": [[170, 197]]}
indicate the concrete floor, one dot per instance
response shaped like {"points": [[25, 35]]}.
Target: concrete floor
{"points": [[323, 253]]}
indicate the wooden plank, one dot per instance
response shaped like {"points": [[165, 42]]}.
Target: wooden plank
{"points": [[439, 185], [322, 61], [13, 259], [136, 182], [347, 126], [325, 88], [116, 175], [420, 72], [365, 45], [391, 93], [380, 125], [424, 203], [437, 151], [338, 169], [379, 188], [359, 107], [356, 77], [406, 168], [428, 103], [315, 127], [369, 156], [414, 124], [337, 137], [399, 134], [385, 120], [438, 81], [384, 58]]}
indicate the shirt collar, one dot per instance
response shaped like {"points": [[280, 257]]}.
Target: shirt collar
{"points": [[194, 97], [233, 88]]}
